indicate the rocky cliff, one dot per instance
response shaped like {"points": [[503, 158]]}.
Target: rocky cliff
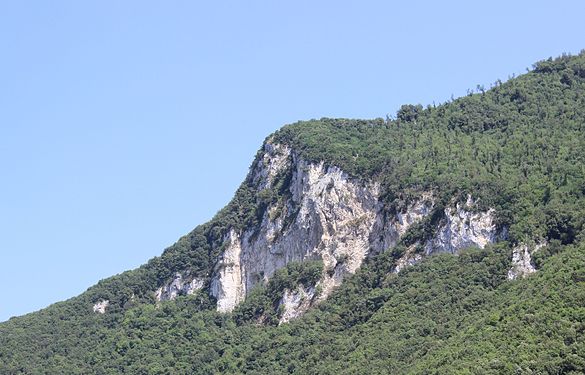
{"points": [[324, 214], [331, 197]]}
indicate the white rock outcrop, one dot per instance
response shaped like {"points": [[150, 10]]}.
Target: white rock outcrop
{"points": [[179, 285], [101, 306], [227, 286], [522, 260], [387, 231], [408, 259], [296, 303], [327, 215], [464, 228], [414, 213], [275, 159]]}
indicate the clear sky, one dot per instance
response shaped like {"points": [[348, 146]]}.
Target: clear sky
{"points": [[124, 124]]}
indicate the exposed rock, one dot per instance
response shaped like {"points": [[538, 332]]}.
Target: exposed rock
{"points": [[464, 228], [180, 285], [275, 159], [387, 231], [330, 216], [414, 213], [101, 306], [332, 219], [522, 260], [461, 228], [227, 286], [408, 259], [296, 303]]}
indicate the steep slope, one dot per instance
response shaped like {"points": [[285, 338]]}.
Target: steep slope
{"points": [[501, 171], [313, 211]]}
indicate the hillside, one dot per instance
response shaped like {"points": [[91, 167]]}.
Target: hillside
{"points": [[448, 239]]}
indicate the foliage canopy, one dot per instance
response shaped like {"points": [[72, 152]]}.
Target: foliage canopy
{"points": [[518, 147]]}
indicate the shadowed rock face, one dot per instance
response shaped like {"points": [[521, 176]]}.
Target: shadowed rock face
{"points": [[464, 228], [329, 216], [461, 228]]}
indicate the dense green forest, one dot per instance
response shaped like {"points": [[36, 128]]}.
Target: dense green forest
{"points": [[518, 147]]}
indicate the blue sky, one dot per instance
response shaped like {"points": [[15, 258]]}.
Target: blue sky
{"points": [[123, 125]]}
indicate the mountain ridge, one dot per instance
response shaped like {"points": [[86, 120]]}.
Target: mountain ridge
{"points": [[501, 171]]}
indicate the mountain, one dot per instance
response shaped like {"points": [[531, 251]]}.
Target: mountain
{"points": [[446, 240]]}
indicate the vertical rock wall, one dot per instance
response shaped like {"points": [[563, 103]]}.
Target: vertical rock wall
{"points": [[327, 215]]}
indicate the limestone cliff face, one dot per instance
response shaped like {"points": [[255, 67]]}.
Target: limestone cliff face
{"points": [[180, 284], [321, 213], [295, 303], [326, 216], [464, 228], [522, 260], [387, 231], [329, 216], [227, 286]]}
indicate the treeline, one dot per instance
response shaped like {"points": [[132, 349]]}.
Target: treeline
{"points": [[449, 314], [518, 147]]}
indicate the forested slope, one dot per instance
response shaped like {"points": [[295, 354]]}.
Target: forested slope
{"points": [[518, 148]]}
